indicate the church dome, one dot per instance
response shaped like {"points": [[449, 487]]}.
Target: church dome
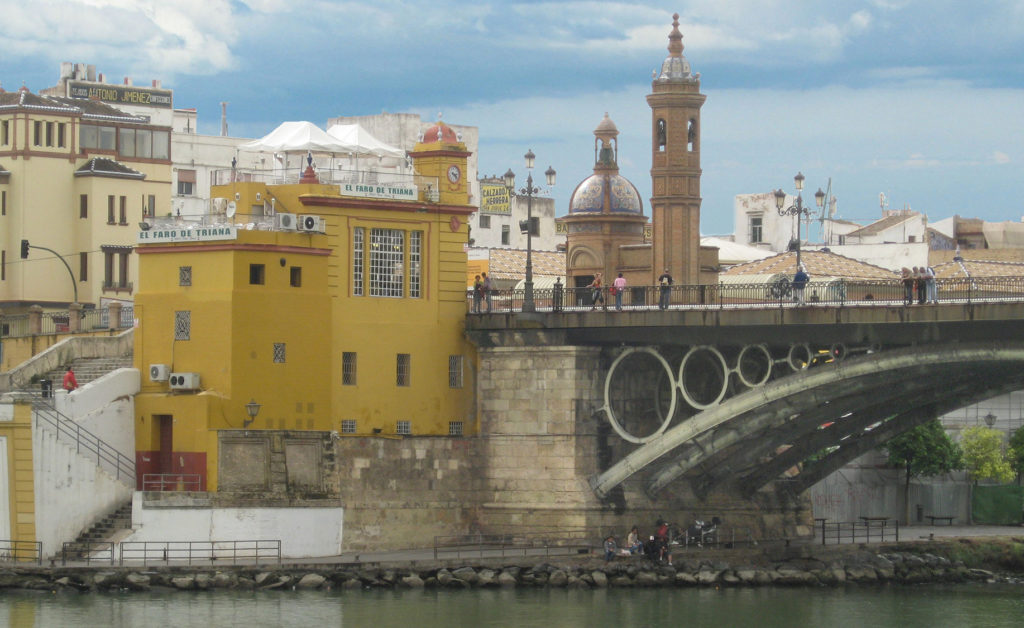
{"points": [[440, 132], [622, 196]]}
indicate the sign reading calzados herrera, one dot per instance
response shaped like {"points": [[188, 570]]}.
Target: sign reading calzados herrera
{"points": [[394, 192], [196, 234]]}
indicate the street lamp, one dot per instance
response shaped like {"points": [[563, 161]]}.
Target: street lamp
{"points": [[527, 227], [990, 419], [797, 209]]}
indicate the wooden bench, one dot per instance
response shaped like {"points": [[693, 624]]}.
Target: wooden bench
{"points": [[947, 518]]}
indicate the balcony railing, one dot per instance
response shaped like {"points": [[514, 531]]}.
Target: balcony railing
{"points": [[59, 322], [327, 176], [172, 482], [781, 293]]}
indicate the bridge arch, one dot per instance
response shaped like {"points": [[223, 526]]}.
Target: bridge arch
{"points": [[897, 389]]}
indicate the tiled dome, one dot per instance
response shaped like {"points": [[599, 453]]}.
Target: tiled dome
{"points": [[589, 196], [440, 132]]}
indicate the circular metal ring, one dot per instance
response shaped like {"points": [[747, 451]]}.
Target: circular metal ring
{"points": [[749, 383], [792, 357], [724, 370], [838, 351], [621, 431]]}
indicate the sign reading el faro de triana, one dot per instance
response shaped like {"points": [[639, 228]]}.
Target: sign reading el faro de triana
{"points": [[494, 199], [121, 94]]}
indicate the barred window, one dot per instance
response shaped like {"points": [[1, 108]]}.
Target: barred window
{"points": [[182, 325], [404, 428], [455, 428], [387, 262], [184, 275], [455, 371], [348, 368], [415, 259], [485, 222], [404, 365], [357, 261], [257, 274], [348, 426], [279, 352]]}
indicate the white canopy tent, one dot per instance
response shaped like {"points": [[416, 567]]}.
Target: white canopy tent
{"points": [[297, 137], [360, 142]]}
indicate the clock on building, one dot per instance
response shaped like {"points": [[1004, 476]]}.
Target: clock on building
{"points": [[454, 174]]}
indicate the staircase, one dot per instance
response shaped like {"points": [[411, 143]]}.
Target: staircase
{"points": [[104, 529], [87, 369]]}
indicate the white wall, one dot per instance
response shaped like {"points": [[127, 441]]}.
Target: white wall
{"points": [[105, 407], [303, 532], [71, 492], [893, 256]]}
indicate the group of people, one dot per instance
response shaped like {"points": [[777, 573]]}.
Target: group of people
{"points": [[481, 292], [919, 280], [657, 547], [619, 286]]}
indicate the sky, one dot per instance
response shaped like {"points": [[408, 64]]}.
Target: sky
{"points": [[922, 100]]}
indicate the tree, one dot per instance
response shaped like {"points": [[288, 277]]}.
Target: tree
{"points": [[983, 454], [1016, 452], [923, 451]]}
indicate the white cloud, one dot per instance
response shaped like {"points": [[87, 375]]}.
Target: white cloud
{"points": [[1000, 157]]}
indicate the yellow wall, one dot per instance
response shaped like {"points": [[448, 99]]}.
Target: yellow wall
{"points": [[19, 470]]}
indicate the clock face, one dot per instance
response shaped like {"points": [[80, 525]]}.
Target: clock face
{"points": [[454, 174]]}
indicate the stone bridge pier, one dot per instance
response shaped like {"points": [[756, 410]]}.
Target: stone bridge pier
{"points": [[545, 435]]}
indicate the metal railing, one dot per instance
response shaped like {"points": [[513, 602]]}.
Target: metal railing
{"points": [[172, 482], [58, 322], [776, 294], [87, 551], [868, 530], [86, 443], [189, 552], [327, 175], [561, 542], [21, 551]]}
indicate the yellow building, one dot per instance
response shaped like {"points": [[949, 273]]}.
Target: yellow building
{"points": [[76, 178], [373, 335]]}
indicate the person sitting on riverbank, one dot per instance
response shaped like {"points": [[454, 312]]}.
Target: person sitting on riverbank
{"points": [[609, 548], [636, 546]]}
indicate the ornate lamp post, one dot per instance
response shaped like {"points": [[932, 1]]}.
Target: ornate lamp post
{"points": [[798, 208], [527, 225]]}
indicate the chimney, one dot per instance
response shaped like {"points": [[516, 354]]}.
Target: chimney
{"points": [[127, 80], [65, 70], [102, 79], [156, 83], [90, 72]]}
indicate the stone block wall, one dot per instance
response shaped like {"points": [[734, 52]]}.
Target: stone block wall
{"points": [[400, 493]]}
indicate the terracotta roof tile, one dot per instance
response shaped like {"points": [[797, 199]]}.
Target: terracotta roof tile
{"points": [[818, 264], [511, 263], [978, 268], [881, 225], [104, 167]]}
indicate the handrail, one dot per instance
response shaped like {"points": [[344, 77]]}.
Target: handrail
{"points": [[843, 292], [21, 551], [878, 529], [172, 482], [167, 552], [106, 455], [516, 543], [89, 551], [58, 321]]}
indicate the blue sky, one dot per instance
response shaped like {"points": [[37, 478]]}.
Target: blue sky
{"points": [[920, 99]]}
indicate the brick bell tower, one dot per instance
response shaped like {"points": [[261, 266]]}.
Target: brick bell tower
{"points": [[675, 102]]}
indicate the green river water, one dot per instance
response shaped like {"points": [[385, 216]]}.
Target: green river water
{"points": [[928, 606]]}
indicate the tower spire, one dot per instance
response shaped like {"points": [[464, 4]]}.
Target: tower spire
{"points": [[675, 38]]}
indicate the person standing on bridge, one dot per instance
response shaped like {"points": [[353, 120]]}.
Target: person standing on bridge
{"points": [[665, 287], [800, 280], [908, 286], [617, 287], [929, 284], [598, 293]]}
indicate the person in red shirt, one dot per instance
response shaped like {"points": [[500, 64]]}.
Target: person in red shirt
{"points": [[70, 383]]}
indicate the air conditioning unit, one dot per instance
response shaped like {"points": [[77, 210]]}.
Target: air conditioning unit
{"points": [[159, 372], [309, 222], [286, 222], [218, 204], [184, 381]]}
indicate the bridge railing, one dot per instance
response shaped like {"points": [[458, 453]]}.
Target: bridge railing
{"points": [[777, 293]]}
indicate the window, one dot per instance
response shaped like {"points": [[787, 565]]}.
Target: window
{"points": [[357, 261], [756, 229], [110, 210], [37, 133], [5, 132], [404, 363], [143, 143], [185, 188], [485, 222], [122, 215], [348, 426], [184, 275], [279, 353], [83, 205], [115, 267], [387, 262], [3, 203], [911, 238], [455, 371], [505, 234], [83, 267], [126, 142], [348, 368], [149, 208], [49, 134], [161, 145], [182, 325], [403, 427], [3, 265], [296, 276], [455, 428], [415, 259], [256, 274], [61, 131]]}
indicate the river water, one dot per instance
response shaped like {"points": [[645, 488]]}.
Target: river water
{"points": [[927, 606]]}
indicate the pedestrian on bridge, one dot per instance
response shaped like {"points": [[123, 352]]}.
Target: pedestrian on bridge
{"points": [[800, 280], [908, 286], [930, 287], [617, 287], [598, 293], [665, 286]]}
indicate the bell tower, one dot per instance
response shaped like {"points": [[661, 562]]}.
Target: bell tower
{"points": [[675, 102]]}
